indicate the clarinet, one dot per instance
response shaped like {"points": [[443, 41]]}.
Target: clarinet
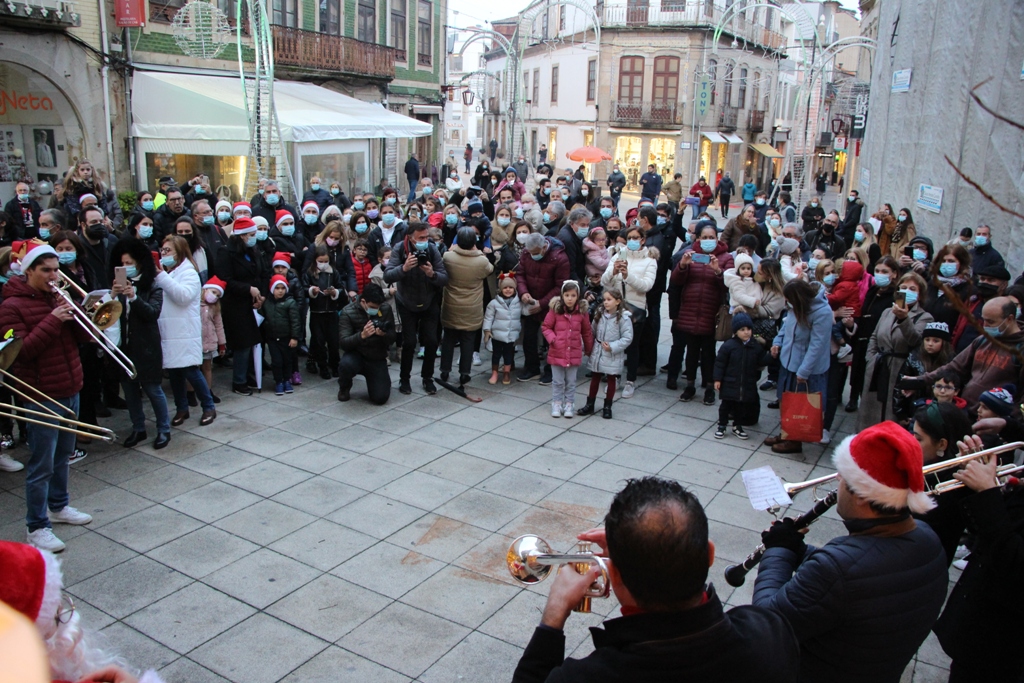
{"points": [[736, 574]]}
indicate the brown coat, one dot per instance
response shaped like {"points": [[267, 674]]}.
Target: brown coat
{"points": [[462, 307]]}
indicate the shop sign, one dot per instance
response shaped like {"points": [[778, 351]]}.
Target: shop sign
{"points": [[13, 100], [129, 13], [860, 116], [839, 144], [929, 198], [703, 96], [901, 80]]}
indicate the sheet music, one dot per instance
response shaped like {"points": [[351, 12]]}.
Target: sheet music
{"points": [[764, 488]]}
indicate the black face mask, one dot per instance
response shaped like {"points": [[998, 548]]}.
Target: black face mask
{"points": [[827, 228], [988, 290], [96, 232]]}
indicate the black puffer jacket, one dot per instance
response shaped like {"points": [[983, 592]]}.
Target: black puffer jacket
{"points": [[416, 291], [738, 367], [353, 319], [862, 604]]}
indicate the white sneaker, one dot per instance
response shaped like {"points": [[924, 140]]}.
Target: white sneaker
{"points": [[961, 564], [45, 540], [627, 390], [9, 464], [69, 515], [476, 358], [961, 552], [845, 351], [568, 410], [556, 410], [826, 438]]}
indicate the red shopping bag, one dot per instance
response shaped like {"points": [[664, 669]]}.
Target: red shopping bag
{"points": [[801, 416]]}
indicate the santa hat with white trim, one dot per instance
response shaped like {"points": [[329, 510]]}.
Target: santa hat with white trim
{"points": [[216, 284], [282, 258], [243, 226], [281, 216], [278, 280], [241, 206], [883, 464], [32, 250], [311, 205], [30, 582]]}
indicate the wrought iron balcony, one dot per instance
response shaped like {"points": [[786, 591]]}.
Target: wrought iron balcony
{"points": [[45, 14], [646, 113], [728, 119], [318, 52], [756, 121]]}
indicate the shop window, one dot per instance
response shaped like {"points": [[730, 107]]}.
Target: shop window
{"points": [[346, 168], [627, 156], [227, 174], [662, 153]]}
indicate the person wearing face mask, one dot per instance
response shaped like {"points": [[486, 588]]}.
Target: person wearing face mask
{"points": [[97, 244], [482, 174], [239, 265], [185, 230], [544, 193], [165, 216], [552, 217], [605, 211], [992, 282], [271, 203], [543, 267], [858, 330], [513, 181], [454, 182], [616, 182], [983, 254], [309, 224], [451, 223], [338, 197], [197, 188], [950, 268], [812, 215], [522, 168], [208, 236], [317, 194], [632, 271], [700, 191], [826, 239], [852, 217], [571, 235], [141, 227], [462, 307], [23, 212], [366, 330], [286, 236], [222, 215]]}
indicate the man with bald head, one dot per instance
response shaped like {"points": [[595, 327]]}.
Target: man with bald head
{"points": [[985, 365]]}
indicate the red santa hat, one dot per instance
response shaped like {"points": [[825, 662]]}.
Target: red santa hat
{"points": [[281, 215], [282, 258], [883, 464], [217, 284], [30, 582], [32, 250], [278, 280], [243, 226], [241, 206], [311, 205]]}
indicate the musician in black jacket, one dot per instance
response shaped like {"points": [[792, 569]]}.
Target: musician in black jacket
{"points": [[673, 627]]}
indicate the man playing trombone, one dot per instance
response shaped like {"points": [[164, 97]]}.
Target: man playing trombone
{"points": [[49, 362], [862, 604], [673, 625]]}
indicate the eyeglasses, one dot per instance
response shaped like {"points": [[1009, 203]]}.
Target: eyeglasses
{"points": [[943, 388], [66, 610], [166, 251]]}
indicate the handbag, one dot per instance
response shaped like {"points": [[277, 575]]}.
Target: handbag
{"points": [[801, 416], [766, 328], [723, 323], [637, 315]]}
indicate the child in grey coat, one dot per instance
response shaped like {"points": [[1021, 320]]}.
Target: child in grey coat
{"points": [[613, 332], [502, 323]]}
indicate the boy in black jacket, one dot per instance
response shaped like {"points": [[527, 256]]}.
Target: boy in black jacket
{"points": [[281, 330], [737, 369]]}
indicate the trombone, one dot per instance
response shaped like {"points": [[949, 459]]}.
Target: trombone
{"points": [[45, 416], [95, 319], [530, 559]]}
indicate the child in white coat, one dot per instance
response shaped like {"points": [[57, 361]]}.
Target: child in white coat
{"points": [[744, 291], [502, 323], [613, 333]]}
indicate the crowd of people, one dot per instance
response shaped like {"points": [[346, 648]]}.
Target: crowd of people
{"points": [[928, 339]]}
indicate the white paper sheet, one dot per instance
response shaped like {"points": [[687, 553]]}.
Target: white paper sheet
{"points": [[764, 488]]}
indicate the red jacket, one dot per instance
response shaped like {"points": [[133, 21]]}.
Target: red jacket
{"points": [[49, 359], [362, 271], [568, 333], [704, 193], [846, 291], [543, 279], [703, 292]]}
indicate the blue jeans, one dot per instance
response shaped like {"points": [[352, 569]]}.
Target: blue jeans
{"points": [[412, 189], [195, 377], [240, 365], [46, 477], [133, 397]]}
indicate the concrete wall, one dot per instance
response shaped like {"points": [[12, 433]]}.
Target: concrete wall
{"points": [[951, 46]]}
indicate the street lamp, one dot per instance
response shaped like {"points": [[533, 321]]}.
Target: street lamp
{"points": [[467, 97]]}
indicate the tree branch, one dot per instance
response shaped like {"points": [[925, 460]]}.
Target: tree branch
{"points": [[993, 113], [980, 189]]}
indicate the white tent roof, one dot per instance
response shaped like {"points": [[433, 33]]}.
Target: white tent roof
{"points": [[178, 106]]}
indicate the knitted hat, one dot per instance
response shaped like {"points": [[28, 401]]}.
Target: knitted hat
{"points": [[217, 284], [741, 320], [241, 206], [883, 464], [311, 205], [939, 330], [31, 250], [243, 225], [282, 258], [283, 215], [506, 281], [1000, 400], [260, 222], [278, 280], [87, 195], [788, 246], [742, 258], [30, 582], [222, 203], [474, 206]]}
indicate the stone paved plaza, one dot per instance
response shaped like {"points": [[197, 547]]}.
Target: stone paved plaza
{"points": [[301, 539]]}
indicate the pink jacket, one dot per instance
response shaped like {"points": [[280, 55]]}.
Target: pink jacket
{"points": [[597, 258], [569, 334], [213, 327]]}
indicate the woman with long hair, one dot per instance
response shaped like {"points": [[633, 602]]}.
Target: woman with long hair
{"points": [[858, 331], [240, 266]]}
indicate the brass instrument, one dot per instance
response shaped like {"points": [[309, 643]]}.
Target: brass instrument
{"points": [[530, 560], [45, 416], [94, 320]]}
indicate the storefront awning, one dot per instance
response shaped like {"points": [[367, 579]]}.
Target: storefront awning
{"points": [[189, 107], [767, 150], [715, 138], [734, 139]]}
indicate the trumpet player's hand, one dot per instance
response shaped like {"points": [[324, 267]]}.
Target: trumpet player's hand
{"points": [[566, 592], [598, 537], [63, 312], [979, 475], [784, 534], [970, 444], [989, 425]]}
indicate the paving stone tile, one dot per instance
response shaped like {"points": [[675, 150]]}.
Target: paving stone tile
{"points": [[89, 554], [319, 496], [636, 457], [607, 476], [515, 621], [731, 453], [529, 431], [488, 558], [212, 501], [149, 528], [434, 407], [460, 595], [595, 425], [183, 445], [316, 457], [692, 471], [580, 501], [145, 652], [482, 509], [269, 442], [518, 484], [312, 425], [388, 569], [506, 403], [558, 464], [328, 607], [660, 439], [409, 452], [478, 658], [497, 448], [359, 438], [422, 490], [265, 522], [221, 461], [261, 578], [129, 586], [445, 434], [203, 551], [366, 472], [120, 466], [322, 544], [682, 424], [334, 664], [438, 537], [477, 419], [261, 649], [225, 429], [401, 424], [166, 483], [188, 618], [272, 415], [267, 477], [581, 444], [376, 515], [461, 467], [108, 505], [184, 670]]}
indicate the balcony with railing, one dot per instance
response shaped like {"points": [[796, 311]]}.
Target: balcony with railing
{"points": [[673, 13], [728, 119], [640, 114], [308, 51], [756, 124], [40, 14]]}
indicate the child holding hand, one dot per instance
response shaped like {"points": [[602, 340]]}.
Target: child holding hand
{"points": [[214, 341], [569, 335]]}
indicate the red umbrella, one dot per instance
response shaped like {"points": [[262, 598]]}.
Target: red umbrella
{"points": [[589, 155]]}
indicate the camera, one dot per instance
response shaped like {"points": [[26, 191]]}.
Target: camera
{"points": [[422, 257]]}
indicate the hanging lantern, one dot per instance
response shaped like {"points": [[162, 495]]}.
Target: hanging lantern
{"points": [[467, 97]]}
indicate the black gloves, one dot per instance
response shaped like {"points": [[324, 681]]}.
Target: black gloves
{"points": [[784, 534]]}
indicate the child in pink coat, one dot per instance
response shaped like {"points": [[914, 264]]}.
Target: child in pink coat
{"points": [[214, 341], [569, 335]]}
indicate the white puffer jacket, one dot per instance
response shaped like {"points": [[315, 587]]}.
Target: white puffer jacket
{"points": [[743, 291], [503, 318], [642, 270], [181, 327], [619, 335]]}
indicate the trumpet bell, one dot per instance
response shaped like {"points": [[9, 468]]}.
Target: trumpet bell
{"points": [[519, 559], [107, 314]]}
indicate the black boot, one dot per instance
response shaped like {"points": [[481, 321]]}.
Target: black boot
{"points": [[606, 412], [588, 408]]}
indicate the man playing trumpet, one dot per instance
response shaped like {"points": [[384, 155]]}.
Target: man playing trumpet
{"points": [[49, 362], [673, 626], [862, 604]]}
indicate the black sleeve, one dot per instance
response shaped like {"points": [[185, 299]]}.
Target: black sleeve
{"points": [[544, 653]]}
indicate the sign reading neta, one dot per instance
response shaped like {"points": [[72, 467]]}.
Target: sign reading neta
{"points": [[130, 13]]}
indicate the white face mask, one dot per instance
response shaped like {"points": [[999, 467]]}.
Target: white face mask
{"points": [[322, 266], [521, 237]]}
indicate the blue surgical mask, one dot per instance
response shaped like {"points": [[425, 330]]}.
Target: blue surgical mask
{"points": [[920, 254], [688, 237], [948, 269], [537, 257], [148, 205], [773, 244], [547, 190], [130, 271], [427, 190], [372, 312], [708, 246], [980, 240], [199, 190], [170, 261], [547, 217], [388, 219], [662, 220], [582, 232], [310, 218], [358, 205], [422, 246], [286, 230], [911, 296], [208, 220], [66, 258], [882, 280], [335, 191], [261, 190], [994, 331], [372, 213], [633, 245], [390, 201], [759, 201], [519, 213], [262, 235], [504, 221], [315, 187], [813, 263], [858, 237], [361, 228], [451, 219], [145, 231], [23, 198], [901, 218], [606, 213], [44, 234], [250, 241], [224, 216], [775, 222], [272, 199], [829, 279]]}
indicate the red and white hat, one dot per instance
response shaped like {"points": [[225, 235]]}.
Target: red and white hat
{"points": [[278, 280], [30, 582], [31, 250], [217, 284], [241, 206], [243, 226], [87, 195], [883, 464], [311, 205], [282, 258], [281, 216]]}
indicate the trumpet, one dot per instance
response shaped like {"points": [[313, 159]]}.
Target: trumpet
{"points": [[736, 574], [530, 559], [94, 320]]}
